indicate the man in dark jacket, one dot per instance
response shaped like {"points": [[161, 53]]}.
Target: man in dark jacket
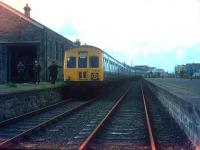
{"points": [[36, 71], [53, 72]]}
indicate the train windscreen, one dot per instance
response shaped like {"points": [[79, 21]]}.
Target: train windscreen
{"points": [[94, 62], [71, 62], [82, 62]]}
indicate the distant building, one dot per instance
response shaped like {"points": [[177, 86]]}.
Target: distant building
{"points": [[188, 70], [180, 71], [149, 72], [193, 70], [158, 73], [24, 39], [141, 70], [194, 67]]}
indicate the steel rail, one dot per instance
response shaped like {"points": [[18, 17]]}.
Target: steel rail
{"points": [[21, 117], [152, 141], [17, 137], [86, 142]]}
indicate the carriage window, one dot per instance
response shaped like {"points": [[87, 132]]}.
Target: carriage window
{"points": [[82, 62], [71, 62], [94, 62]]}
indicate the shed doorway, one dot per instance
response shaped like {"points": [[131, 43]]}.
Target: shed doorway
{"points": [[26, 54]]}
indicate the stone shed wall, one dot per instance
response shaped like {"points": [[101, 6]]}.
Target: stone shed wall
{"points": [[56, 46], [15, 29], [19, 103]]}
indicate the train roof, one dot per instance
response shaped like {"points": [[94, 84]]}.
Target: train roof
{"points": [[89, 46], [86, 46]]}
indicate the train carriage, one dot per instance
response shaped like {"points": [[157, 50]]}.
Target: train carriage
{"points": [[89, 63]]}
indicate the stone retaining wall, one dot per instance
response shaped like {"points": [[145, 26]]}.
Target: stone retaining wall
{"points": [[19, 103], [187, 115]]}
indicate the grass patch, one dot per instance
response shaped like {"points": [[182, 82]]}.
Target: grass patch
{"points": [[17, 87], [10, 84]]}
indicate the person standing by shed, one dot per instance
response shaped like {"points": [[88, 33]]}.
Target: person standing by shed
{"points": [[20, 71], [36, 71], [191, 73], [53, 72]]}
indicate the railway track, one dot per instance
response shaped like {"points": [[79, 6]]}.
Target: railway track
{"points": [[129, 125], [123, 126], [15, 128], [133, 122], [167, 133], [57, 134]]}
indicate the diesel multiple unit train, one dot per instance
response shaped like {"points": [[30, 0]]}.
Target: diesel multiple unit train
{"points": [[89, 63]]}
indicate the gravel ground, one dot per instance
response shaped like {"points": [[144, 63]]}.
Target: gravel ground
{"points": [[23, 125], [23, 87], [121, 134], [121, 146], [126, 128], [168, 134], [60, 134]]}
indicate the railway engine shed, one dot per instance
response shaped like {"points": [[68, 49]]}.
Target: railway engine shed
{"points": [[24, 39]]}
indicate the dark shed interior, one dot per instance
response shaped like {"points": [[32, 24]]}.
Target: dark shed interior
{"points": [[27, 54]]}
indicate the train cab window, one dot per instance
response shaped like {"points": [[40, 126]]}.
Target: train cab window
{"points": [[71, 62], [94, 62], [82, 62]]}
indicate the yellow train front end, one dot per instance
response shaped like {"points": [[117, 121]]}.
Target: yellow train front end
{"points": [[83, 63]]}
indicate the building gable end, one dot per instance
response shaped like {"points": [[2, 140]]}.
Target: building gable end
{"points": [[21, 15]]}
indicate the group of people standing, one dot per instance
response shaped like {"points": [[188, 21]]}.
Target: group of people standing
{"points": [[53, 72]]}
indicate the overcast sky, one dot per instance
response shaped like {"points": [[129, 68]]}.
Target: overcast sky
{"points": [[160, 33]]}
